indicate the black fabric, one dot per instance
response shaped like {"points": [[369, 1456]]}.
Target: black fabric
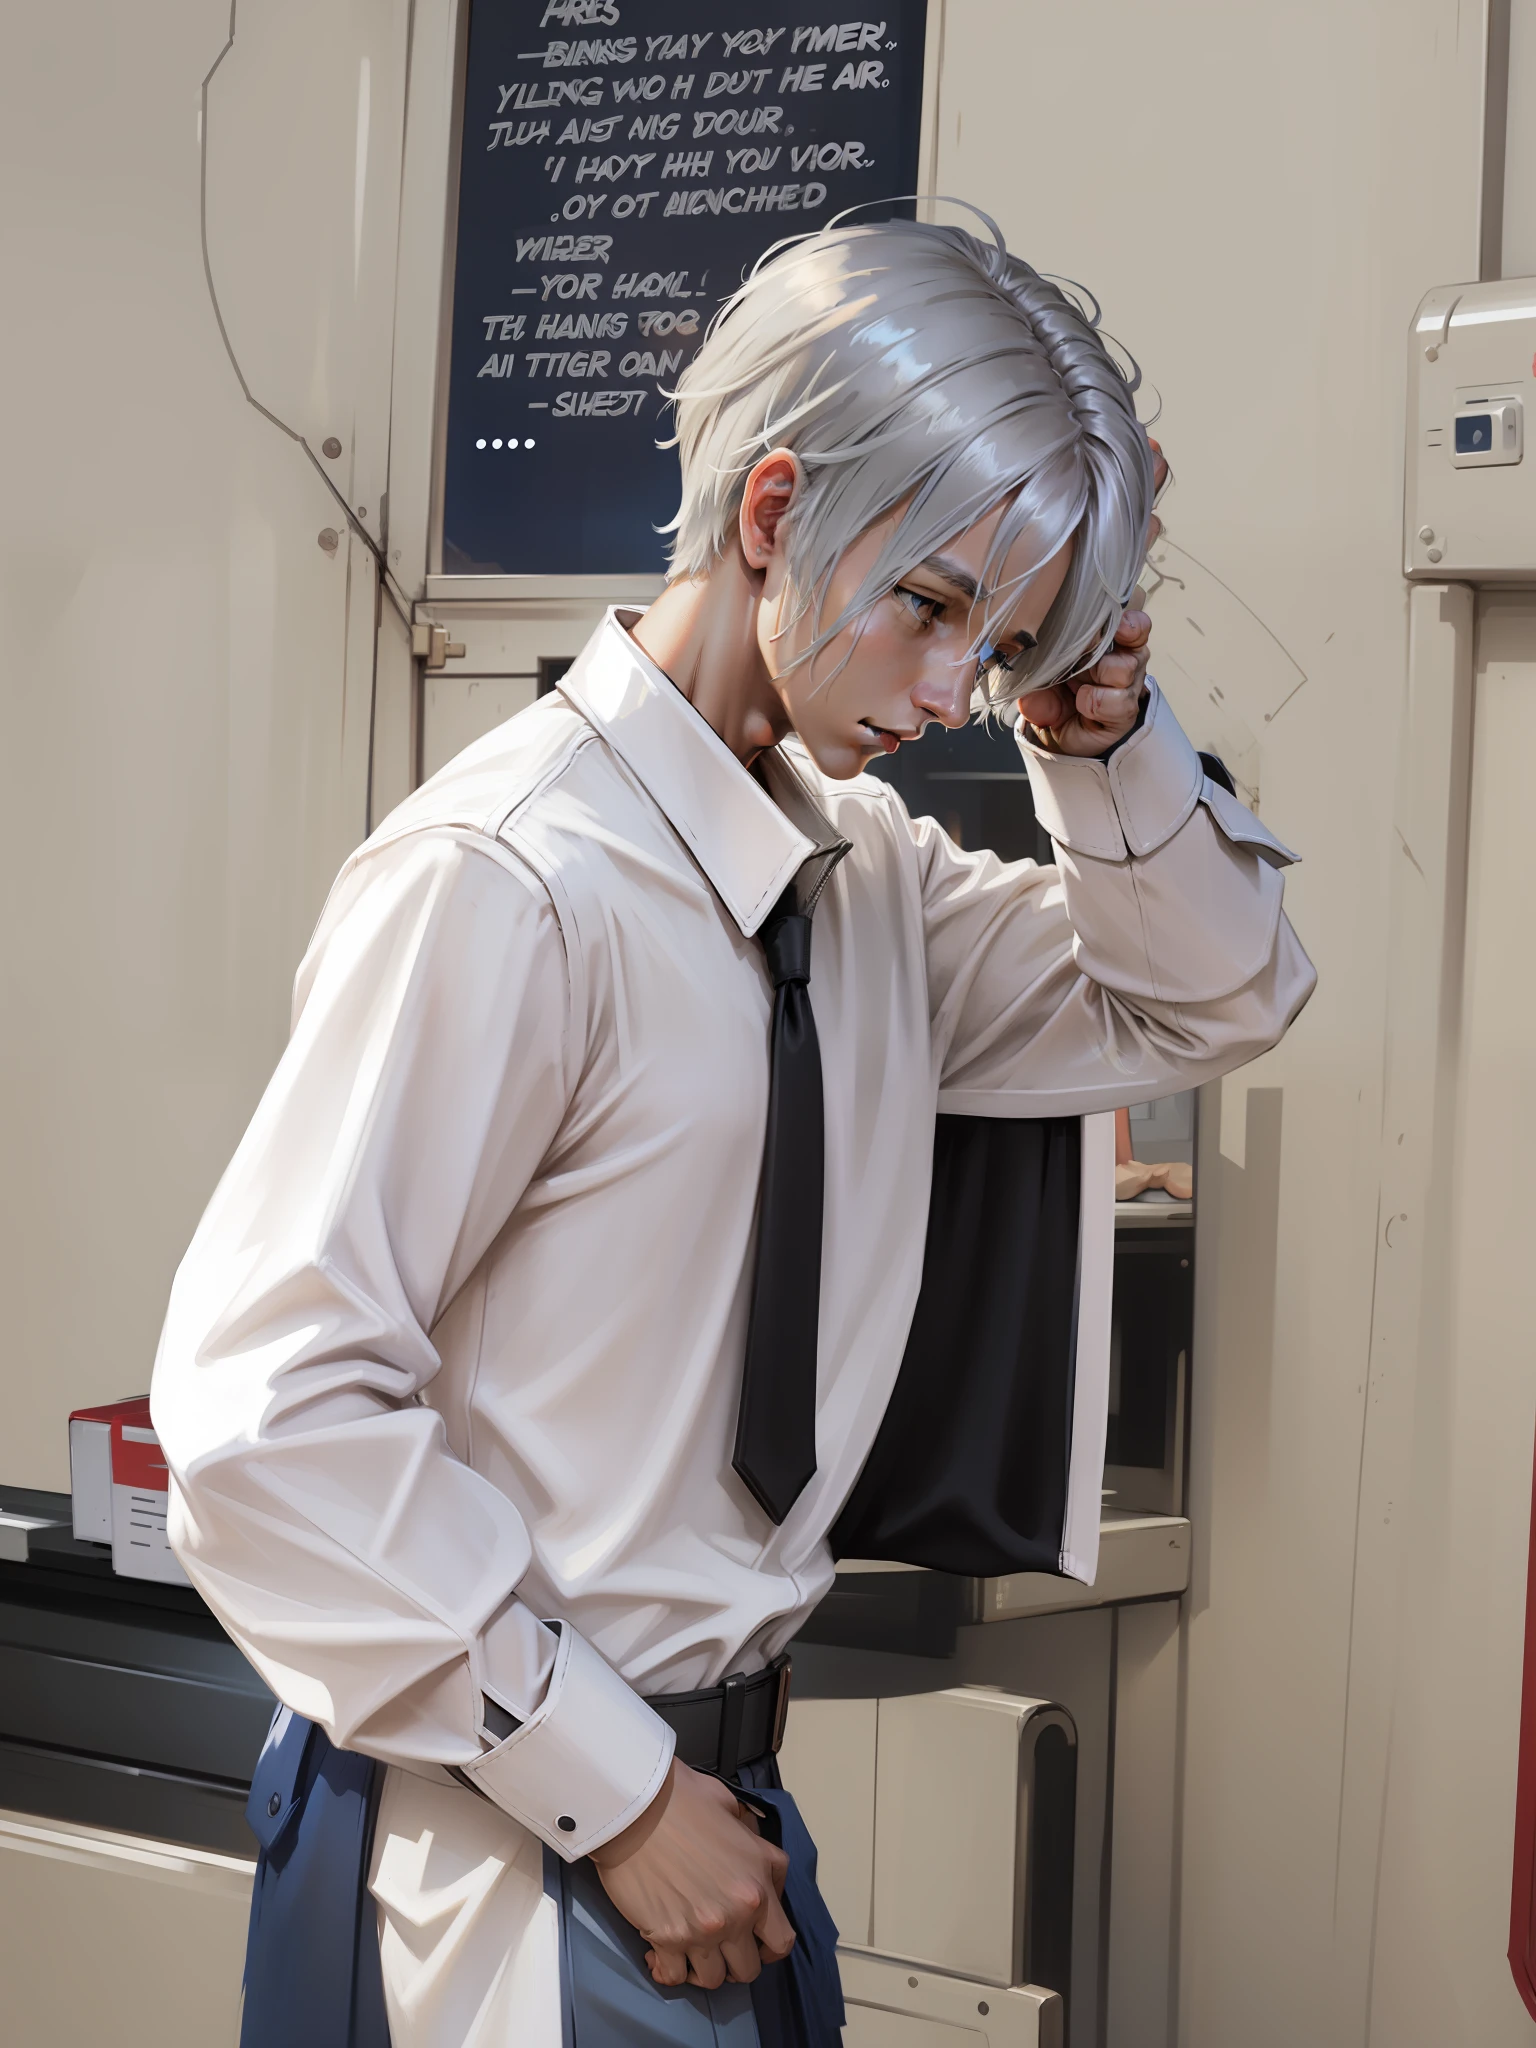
{"points": [[797, 2003], [776, 1425], [1216, 769], [969, 1470]]}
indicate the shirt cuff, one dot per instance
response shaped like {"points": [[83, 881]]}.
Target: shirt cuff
{"points": [[587, 1763], [1131, 803]]}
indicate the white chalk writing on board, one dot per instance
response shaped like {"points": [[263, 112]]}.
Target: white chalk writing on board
{"points": [[624, 162]]}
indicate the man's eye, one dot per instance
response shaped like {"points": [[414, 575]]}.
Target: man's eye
{"points": [[995, 661], [924, 609]]}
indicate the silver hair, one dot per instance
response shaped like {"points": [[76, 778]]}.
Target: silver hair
{"points": [[916, 365]]}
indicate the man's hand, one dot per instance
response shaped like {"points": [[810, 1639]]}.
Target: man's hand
{"points": [[699, 1882], [1088, 714]]}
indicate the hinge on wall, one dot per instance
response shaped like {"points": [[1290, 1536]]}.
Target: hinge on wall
{"points": [[430, 643]]}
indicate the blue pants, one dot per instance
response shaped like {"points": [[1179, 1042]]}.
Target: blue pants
{"points": [[312, 1977]]}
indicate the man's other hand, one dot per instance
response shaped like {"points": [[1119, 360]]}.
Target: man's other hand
{"points": [[695, 1877]]}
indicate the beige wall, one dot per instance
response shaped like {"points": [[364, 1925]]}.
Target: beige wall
{"points": [[1260, 196], [1445, 1845], [186, 674], [1519, 211]]}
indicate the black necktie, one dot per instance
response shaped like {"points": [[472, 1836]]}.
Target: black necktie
{"points": [[776, 1428]]}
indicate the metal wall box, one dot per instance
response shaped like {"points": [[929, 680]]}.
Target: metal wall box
{"points": [[888, 2004], [946, 1826], [1469, 507]]}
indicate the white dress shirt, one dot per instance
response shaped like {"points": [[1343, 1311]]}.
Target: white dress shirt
{"points": [[456, 1351]]}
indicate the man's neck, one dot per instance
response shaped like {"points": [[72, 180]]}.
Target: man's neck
{"points": [[702, 634]]}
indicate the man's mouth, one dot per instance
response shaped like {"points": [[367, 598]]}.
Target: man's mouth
{"points": [[883, 737]]}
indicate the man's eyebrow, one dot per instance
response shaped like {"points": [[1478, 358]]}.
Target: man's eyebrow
{"points": [[948, 570]]}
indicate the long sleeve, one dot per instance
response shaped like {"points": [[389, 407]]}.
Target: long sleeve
{"points": [[366, 1570], [1153, 956]]}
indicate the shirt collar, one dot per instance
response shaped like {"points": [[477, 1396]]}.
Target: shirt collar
{"points": [[749, 843]]}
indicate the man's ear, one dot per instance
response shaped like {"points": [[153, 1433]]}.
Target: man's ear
{"points": [[772, 487]]}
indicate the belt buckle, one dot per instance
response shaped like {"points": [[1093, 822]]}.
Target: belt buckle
{"points": [[781, 1704], [732, 1707]]}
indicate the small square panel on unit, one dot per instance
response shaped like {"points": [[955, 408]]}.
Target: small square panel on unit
{"points": [[1486, 429]]}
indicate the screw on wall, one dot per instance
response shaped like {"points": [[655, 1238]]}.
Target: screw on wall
{"points": [[329, 539], [330, 447]]}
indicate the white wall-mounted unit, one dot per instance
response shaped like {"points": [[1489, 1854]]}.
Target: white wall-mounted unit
{"points": [[945, 1824], [890, 2006], [1469, 506]]}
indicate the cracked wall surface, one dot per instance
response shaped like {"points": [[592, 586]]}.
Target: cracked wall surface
{"points": [[302, 143], [189, 672]]}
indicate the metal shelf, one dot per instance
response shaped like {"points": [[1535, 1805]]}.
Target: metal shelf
{"points": [[1159, 1215], [881, 1606]]}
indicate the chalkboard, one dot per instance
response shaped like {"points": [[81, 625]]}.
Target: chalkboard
{"points": [[624, 163]]}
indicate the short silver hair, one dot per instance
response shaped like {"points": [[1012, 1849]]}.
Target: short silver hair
{"points": [[916, 365]]}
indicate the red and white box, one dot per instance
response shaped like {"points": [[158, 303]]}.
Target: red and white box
{"points": [[120, 1489]]}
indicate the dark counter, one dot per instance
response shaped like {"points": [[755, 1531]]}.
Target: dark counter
{"points": [[123, 1704]]}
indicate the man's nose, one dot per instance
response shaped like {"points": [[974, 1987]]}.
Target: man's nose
{"points": [[944, 693]]}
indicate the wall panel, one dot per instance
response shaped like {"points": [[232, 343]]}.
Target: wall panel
{"points": [[184, 695], [1259, 196]]}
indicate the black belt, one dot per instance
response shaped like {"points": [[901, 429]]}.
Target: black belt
{"points": [[725, 1726]]}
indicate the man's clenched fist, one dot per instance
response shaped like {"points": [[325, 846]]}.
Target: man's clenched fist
{"points": [[699, 1882]]}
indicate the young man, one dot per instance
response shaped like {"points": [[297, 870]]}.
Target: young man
{"points": [[549, 1308]]}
